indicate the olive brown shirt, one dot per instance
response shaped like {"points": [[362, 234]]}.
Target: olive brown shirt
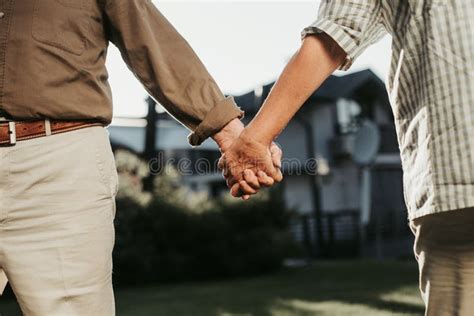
{"points": [[53, 53]]}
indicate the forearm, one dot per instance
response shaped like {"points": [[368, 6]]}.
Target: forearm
{"points": [[168, 67], [318, 57]]}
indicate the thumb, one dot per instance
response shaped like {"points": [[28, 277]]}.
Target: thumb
{"points": [[277, 154], [272, 171]]}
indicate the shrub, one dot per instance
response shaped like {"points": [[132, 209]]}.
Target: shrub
{"points": [[175, 234], [162, 242]]}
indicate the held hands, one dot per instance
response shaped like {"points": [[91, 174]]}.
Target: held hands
{"points": [[247, 164]]}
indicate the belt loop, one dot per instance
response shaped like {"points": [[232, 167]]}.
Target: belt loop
{"points": [[47, 127], [12, 132]]}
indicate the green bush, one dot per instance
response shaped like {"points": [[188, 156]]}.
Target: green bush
{"points": [[162, 242]]}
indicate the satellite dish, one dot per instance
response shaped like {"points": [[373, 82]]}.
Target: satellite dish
{"points": [[366, 143]]}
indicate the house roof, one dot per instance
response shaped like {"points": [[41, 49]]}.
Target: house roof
{"points": [[334, 88]]}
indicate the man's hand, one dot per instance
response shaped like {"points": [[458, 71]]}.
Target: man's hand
{"points": [[248, 165], [228, 134], [225, 139]]}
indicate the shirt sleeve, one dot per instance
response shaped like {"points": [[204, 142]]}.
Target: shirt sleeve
{"points": [[353, 24], [168, 68]]}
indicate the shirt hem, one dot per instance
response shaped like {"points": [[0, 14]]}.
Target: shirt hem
{"points": [[446, 207]]}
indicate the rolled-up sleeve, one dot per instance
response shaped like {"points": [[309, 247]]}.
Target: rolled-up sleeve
{"points": [[353, 24], [168, 68]]}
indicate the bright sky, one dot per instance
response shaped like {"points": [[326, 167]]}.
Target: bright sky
{"points": [[244, 44]]}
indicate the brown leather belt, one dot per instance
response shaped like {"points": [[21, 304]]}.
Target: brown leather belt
{"points": [[13, 131]]}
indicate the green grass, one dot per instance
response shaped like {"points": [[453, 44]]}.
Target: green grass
{"points": [[326, 288]]}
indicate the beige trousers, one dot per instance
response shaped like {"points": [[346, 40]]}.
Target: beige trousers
{"points": [[57, 207], [444, 249]]}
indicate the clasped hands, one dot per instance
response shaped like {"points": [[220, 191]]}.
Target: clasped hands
{"points": [[247, 163]]}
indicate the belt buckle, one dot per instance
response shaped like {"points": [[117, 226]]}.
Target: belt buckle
{"points": [[12, 133]]}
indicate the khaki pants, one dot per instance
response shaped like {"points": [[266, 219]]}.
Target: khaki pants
{"points": [[57, 207], [444, 249]]}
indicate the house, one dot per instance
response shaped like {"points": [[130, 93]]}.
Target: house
{"points": [[322, 182], [332, 193]]}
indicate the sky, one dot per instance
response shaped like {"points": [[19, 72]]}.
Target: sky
{"points": [[244, 44]]}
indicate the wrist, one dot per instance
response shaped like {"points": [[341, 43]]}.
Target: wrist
{"points": [[257, 134], [228, 134]]}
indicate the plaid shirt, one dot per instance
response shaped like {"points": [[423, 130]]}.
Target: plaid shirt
{"points": [[431, 88]]}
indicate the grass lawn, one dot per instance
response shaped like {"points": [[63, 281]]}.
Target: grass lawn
{"points": [[326, 288]]}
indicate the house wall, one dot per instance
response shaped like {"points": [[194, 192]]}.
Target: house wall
{"points": [[339, 190], [293, 138], [323, 119], [292, 141], [297, 194]]}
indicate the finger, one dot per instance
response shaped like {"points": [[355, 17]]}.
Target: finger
{"points": [[270, 170], [277, 154], [279, 176], [221, 162], [273, 172], [251, 179], [233, 177], [245, 188], [231, 182], [226, 174], [246, 197], [265, 180], [235, 190]]}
